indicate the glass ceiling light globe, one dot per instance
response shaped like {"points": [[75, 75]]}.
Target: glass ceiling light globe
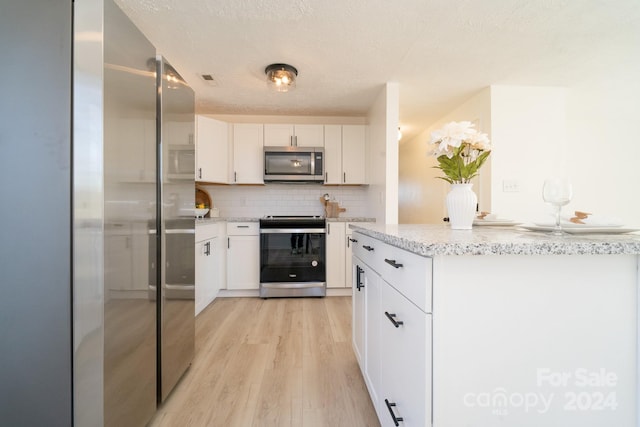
{"points": [[281, 77]]}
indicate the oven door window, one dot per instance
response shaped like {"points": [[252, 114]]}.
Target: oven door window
{"points": [[288, 164], [292, 257]]}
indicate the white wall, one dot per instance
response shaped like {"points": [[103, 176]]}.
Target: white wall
{"points": [[602, 133], [538, 132], [382, 167], [529, 144], [421, 194]]}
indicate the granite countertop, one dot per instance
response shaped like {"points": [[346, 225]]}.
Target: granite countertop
{"points": [[202, 221], [351, 219], [434, 240]]}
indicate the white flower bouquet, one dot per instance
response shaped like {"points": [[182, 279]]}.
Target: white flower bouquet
{"points": [[461, 150]]}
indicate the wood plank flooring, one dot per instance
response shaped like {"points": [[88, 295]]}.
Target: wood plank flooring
{"points": [[274, 362]]}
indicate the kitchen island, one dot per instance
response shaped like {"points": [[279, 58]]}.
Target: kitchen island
{"points": [[496, 326]]}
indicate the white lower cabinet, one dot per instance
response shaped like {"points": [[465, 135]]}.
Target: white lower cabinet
{"points": [[392, 333], [358, 305], [336, 268], [243, 255], [405, 361], [339, 253], [209, 257]]}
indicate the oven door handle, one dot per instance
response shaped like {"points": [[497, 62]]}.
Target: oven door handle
{"points": [[291, 230]]}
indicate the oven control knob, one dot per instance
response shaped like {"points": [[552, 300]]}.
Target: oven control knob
{"points": [[314, 263]]}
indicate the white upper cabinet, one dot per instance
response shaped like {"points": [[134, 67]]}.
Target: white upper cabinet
{"points": [[248, 157], [283, 135], [345, 154], [212, 150], [354, 154]]}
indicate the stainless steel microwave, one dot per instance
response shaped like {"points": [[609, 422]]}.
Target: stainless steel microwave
{"points": [[293, 164]]}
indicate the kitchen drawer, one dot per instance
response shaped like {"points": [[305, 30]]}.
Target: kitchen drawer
{"points": [[405, 361], [206, 231], [243, 228], [367, 249], [409, 273]]}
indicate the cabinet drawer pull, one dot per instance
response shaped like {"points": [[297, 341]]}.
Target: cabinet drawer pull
{"points": [[353, 240], [390, 406], [392, 263], [242, 226], [367, 247], [391, 317], [359, 272]]}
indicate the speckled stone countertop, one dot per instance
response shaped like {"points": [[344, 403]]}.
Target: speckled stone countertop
{"points": [[434, 240], [238, 219], [351, 219], [202, 221]]}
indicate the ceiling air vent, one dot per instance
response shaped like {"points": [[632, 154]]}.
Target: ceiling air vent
{"points": [[208, 79]]}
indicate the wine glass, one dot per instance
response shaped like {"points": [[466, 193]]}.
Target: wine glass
{"points": [[557, 192]]}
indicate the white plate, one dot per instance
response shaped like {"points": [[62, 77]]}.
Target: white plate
{"points": [[574, 225], [583, 230], [495, 222]]}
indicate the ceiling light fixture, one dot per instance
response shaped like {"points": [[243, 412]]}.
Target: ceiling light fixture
{"points": [[281, 77]]}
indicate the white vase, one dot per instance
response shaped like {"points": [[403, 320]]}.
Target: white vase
{"points": [[461, 206]]}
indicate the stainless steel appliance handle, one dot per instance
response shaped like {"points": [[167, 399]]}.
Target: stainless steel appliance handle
{"points": [[291, 230], [180, 231]]}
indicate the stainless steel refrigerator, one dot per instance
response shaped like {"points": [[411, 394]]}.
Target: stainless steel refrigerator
{"points": [[149, 224], [87, 190]]}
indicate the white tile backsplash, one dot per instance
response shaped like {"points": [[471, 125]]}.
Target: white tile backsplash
{"points": [[285, 199]]}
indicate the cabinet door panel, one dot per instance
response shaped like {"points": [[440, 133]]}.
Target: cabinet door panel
{"points": [[277, 135], [333, 154], [358, 317], [354, 158], [373, 340], [335, 255], [212, 150], [309, 135], [248, 157], [243, 262], [405, 360]]}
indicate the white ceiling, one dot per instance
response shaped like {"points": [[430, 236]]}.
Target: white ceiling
{"points": [[439, 51]]}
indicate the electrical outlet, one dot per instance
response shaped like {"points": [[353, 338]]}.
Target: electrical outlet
{"points": [[510, 186]]}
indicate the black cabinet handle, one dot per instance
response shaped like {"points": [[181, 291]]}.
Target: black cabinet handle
{"points": [[207, 248], [390, 407], [200, 173], [359, 272], [369, 248], [353, 240], [242, 226], [392, 318], [392, 263]]}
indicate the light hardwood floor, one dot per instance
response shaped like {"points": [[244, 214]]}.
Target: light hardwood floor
{"points": [[274, 362]]}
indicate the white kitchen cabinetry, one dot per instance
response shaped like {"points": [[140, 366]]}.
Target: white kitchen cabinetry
{"points": [[212, 150], [283, 135], [248, 157], [396, 362], [358, 311], [339, 253], [349, 241], [243, 255], [336, 268], [345, 154], [208, 266]]}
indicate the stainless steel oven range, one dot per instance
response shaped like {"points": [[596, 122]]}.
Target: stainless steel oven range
{"points": [[293, 256]]}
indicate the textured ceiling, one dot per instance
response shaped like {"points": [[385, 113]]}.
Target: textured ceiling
{"points": [[439, 51]]}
